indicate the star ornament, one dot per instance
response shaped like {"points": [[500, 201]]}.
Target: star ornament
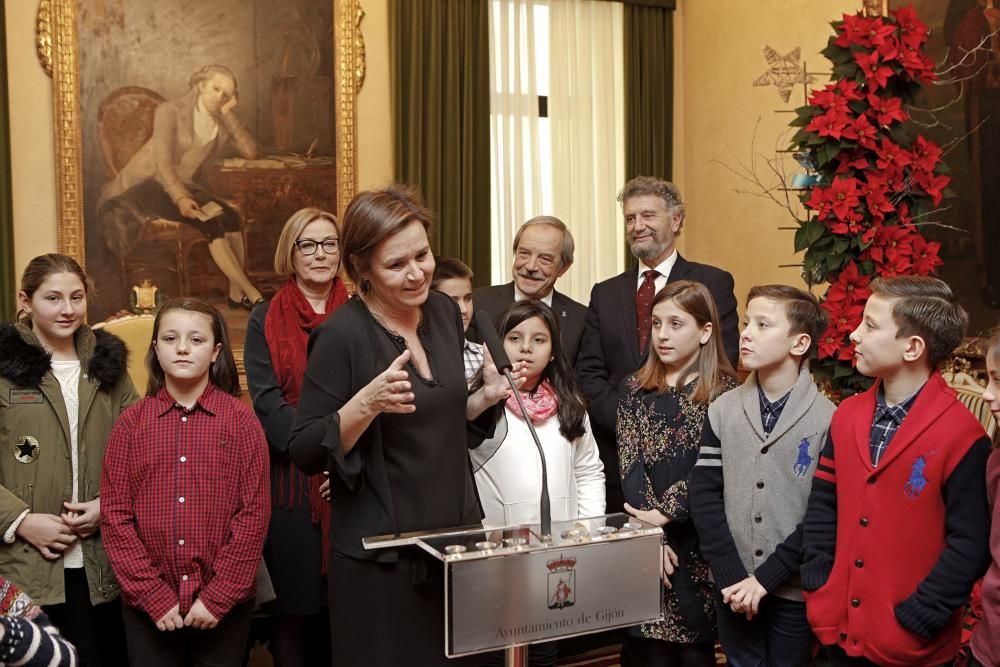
{"points": [[785, 72]]}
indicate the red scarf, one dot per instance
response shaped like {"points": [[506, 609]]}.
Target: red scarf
{"points": [[540, 405], [289, 321]]}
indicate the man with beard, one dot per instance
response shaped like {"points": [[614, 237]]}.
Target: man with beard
{"points": [[617, 328], [543, 251]]}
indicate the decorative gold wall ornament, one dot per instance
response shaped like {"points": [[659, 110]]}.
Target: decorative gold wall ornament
{"points": [[349, 67]]}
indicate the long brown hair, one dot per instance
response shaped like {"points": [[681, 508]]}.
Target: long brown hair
{"points": [[222, 373], [43, 266], [558, 372], [712, 366]]}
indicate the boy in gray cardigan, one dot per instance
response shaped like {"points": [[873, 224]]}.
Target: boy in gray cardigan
{"points": [[750, 486]]}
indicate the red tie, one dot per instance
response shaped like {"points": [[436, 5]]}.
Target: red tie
{"points": [[644, 306]]}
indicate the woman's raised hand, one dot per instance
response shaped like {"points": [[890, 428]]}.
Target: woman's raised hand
{"points": [[495, 386], [390, 391]]}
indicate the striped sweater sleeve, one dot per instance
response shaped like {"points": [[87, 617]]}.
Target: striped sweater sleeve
{"points": [[708, 510], [819, 529], [34, 644]]}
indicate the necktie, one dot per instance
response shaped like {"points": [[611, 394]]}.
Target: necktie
{"points": [[644, 306]]}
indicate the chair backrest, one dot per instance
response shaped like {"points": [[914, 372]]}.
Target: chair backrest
{"points": [[124, 124], [136, 331], [974, 401]]}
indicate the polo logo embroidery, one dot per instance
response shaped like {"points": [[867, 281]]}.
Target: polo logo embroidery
{"points": [[917, 482], [804, 461], [25, 449], [25, 396]]}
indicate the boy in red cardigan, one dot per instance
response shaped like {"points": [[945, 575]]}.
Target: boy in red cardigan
{"points": [[897, 528]]}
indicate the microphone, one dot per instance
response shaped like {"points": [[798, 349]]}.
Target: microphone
{"points": [[486, 328]]}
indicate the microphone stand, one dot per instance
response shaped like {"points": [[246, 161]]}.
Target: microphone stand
{"points": [[544, 505], [487, 330]]}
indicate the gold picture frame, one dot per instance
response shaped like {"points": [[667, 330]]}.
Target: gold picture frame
{"points": [[60, 51]]}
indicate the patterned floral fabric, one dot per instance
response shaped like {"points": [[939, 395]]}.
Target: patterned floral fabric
{"points": [[658, 439]]}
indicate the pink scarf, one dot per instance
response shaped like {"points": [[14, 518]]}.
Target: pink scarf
{"points": [[539, 405]]}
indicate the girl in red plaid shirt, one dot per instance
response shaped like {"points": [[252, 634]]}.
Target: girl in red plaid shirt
{"points": [[186, 498]]}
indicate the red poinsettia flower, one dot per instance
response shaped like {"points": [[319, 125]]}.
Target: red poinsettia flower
{"points": [[849, 318], [889, 48], [864, 132], [926, 154], [890, 154], [876, 74], [844, 195], [830, 343], [851, 160], [903, 215], [831, 124], [917, 65], [876, 193], [886, 110], [847, 352], [851, 286], [893, 246], [932, 184], [819, 202], [849, 90], [851, 223], [925, 256], [913, 31], [828, 98], [854, 31]]}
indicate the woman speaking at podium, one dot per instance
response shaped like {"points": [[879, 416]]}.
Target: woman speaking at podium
{"points": [[384, 407]]}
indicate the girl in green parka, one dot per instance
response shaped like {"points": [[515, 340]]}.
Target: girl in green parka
{"points": [[62, 387]]}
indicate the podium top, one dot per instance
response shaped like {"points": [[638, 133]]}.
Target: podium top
{"points": [[467, 544]]}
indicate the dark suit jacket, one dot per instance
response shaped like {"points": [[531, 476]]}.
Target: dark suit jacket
{"points": [[609, 350], [570, 314]]}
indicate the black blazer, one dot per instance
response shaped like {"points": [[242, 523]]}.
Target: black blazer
{"points": [[571, 315], [609, 350]]}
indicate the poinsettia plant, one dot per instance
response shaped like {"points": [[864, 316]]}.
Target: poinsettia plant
{"points": [[876, 179]]}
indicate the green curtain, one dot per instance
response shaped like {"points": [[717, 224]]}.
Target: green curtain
{"points": [[8, 286], [649, 93], [441, 107]]}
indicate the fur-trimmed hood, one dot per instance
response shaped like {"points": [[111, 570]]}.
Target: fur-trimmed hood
{"points": [[24, 362]]}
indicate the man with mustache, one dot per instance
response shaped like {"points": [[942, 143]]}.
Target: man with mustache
{"points": [[543, 251], [616, 333]]}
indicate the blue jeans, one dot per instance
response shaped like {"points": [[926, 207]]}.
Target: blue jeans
{"points": [[777, 636]]}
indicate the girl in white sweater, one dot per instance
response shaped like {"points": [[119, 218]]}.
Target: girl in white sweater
{"points": [[507, 467]]}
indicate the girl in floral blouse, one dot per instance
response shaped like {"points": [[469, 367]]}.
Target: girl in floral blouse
{"points": [[660, 416]]}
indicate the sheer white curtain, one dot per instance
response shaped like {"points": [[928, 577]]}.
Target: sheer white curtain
{"points": [[571, 163], [587, 115], [516, 187]]}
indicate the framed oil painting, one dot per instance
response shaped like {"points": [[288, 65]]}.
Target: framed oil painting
{"points": [[187, 132], [962, 114]]}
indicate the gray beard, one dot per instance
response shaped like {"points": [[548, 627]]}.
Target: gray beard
{"points": [[648, 252]]}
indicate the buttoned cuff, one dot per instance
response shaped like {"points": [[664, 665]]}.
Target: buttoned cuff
{"points": [[11, 533]]}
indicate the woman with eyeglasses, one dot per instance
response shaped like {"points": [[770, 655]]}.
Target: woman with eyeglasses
{"points": [[275, 356]]}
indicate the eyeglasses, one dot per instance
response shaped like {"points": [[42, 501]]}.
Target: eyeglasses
{"points": [[309, 246]]}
